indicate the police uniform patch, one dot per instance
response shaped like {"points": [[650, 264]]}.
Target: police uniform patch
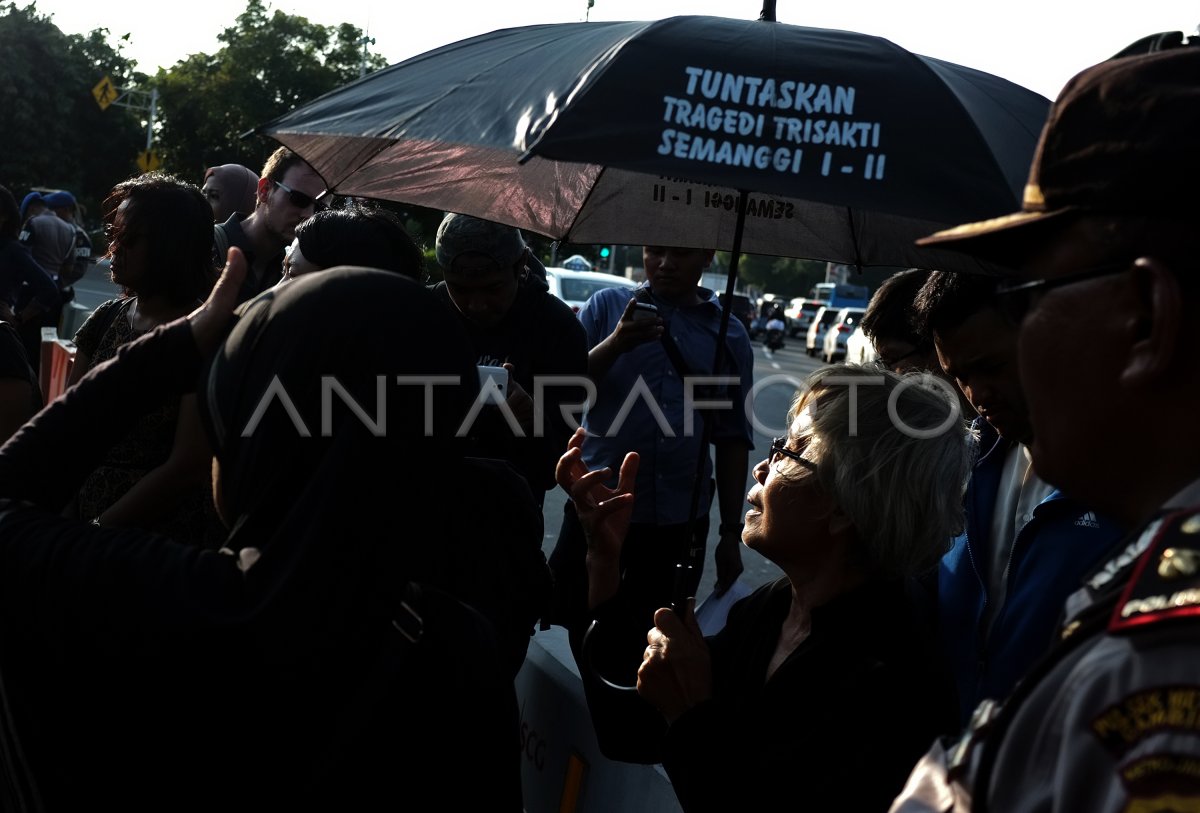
{"points": [[1162, 783], [1123, 725], [1166, 581]]}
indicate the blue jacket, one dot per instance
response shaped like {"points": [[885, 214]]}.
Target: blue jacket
{"points": [[1049, 559]]}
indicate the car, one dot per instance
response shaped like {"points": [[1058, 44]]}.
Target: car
{"points": [[743, 309], [576, 287], [800, 313], [859, 348], [833, 345], [816, 330]]}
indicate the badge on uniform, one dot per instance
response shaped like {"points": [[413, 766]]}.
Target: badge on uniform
{"points": [[1166, 583]]}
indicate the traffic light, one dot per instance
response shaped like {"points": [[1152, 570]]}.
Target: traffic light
{"points": [[605, 252]]}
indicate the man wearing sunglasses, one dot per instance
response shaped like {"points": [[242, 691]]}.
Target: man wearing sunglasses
{"points": [[1108, 305], [288, 192]]}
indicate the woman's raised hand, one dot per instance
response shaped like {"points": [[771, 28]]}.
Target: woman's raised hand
{"points": [[603, 512]]}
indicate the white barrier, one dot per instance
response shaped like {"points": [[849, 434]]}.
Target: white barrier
{"points": [[562, 770]]}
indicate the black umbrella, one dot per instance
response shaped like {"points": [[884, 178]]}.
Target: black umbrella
{"points": [[848, 146], [691, 131]]}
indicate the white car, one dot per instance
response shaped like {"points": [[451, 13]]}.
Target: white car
{"points": [[833, 345], [576, 287], [860, 349], [815, 342], [800, 313]]}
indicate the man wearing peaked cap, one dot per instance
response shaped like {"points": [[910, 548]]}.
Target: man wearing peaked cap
{"points": [[32, 205], [1106, 293]]}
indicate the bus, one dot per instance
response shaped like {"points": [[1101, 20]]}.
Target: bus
{"points": [[840, 295]]}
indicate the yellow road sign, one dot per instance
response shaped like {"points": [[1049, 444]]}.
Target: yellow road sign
{"points": [[149, 160], [105, 93]]}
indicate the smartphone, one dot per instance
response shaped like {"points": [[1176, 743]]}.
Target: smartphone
{"points": [[644, 310], [497, 375]]}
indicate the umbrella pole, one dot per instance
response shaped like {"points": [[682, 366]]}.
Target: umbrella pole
{"points": [[679, 595], [683, 568]]}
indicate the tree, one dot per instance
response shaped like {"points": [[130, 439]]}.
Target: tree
{"points": [[269, 64], [783, 276], [54, 133]]}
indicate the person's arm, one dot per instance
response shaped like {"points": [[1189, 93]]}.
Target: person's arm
{"points": [[80, 364], [603, 512], [730, 470], [16, 399], [158, 492], [44, 293], [628, 334]]}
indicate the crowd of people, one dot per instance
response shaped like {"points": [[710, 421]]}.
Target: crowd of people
{"points": [[290, 506]]}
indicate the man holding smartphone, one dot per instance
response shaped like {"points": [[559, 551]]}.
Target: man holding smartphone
{"points": [[513, 323], [641, 360]]}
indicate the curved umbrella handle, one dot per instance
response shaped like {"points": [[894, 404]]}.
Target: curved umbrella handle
{"points": [[679, 603]]}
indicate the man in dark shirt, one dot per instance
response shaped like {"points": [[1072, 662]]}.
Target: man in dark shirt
{"points": [[514, 323], [287, 195]]}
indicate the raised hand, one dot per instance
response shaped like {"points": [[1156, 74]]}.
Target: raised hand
{"points": [[603, 512]]}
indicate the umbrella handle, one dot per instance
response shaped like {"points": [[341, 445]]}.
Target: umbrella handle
{"points": [[589, 663], [679, 603]]}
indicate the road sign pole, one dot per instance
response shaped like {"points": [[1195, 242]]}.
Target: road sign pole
{"points": [[150, 123]]}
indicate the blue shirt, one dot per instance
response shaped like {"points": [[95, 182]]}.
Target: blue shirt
{"points": [[1050, 557], [640, 403]]}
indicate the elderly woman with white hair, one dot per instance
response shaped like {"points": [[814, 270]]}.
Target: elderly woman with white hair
{"points": [[823, 688]]}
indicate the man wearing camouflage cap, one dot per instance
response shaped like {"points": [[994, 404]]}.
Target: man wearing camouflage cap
{"points": [[491, 282]]}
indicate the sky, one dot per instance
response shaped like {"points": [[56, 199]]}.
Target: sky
{"points": [[1036, 43]]}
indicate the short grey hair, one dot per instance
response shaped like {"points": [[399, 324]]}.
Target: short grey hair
{"points": [[903, 490]]}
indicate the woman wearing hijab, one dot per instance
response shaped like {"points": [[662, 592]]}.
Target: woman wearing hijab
{"points": [[822, 688], [301, 667], [230, 189]]}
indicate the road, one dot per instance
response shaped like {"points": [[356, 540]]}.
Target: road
{"points": [[783, 368], [93, 289]]}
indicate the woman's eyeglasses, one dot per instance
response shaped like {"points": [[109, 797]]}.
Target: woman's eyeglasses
{"points": [[779, 450], [301, 200], [891, 364], [1016, 301]]}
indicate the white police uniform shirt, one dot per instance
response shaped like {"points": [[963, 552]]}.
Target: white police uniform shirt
{"points": [[1110, 721]]}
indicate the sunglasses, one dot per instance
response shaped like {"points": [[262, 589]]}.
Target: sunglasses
{"points": [[1016, 301], [301, 200]]}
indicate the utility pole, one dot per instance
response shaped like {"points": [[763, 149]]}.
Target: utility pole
{"points": [[362, 66]]}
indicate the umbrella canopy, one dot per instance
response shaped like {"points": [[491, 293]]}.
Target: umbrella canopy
{"points": [[645, 132]]}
